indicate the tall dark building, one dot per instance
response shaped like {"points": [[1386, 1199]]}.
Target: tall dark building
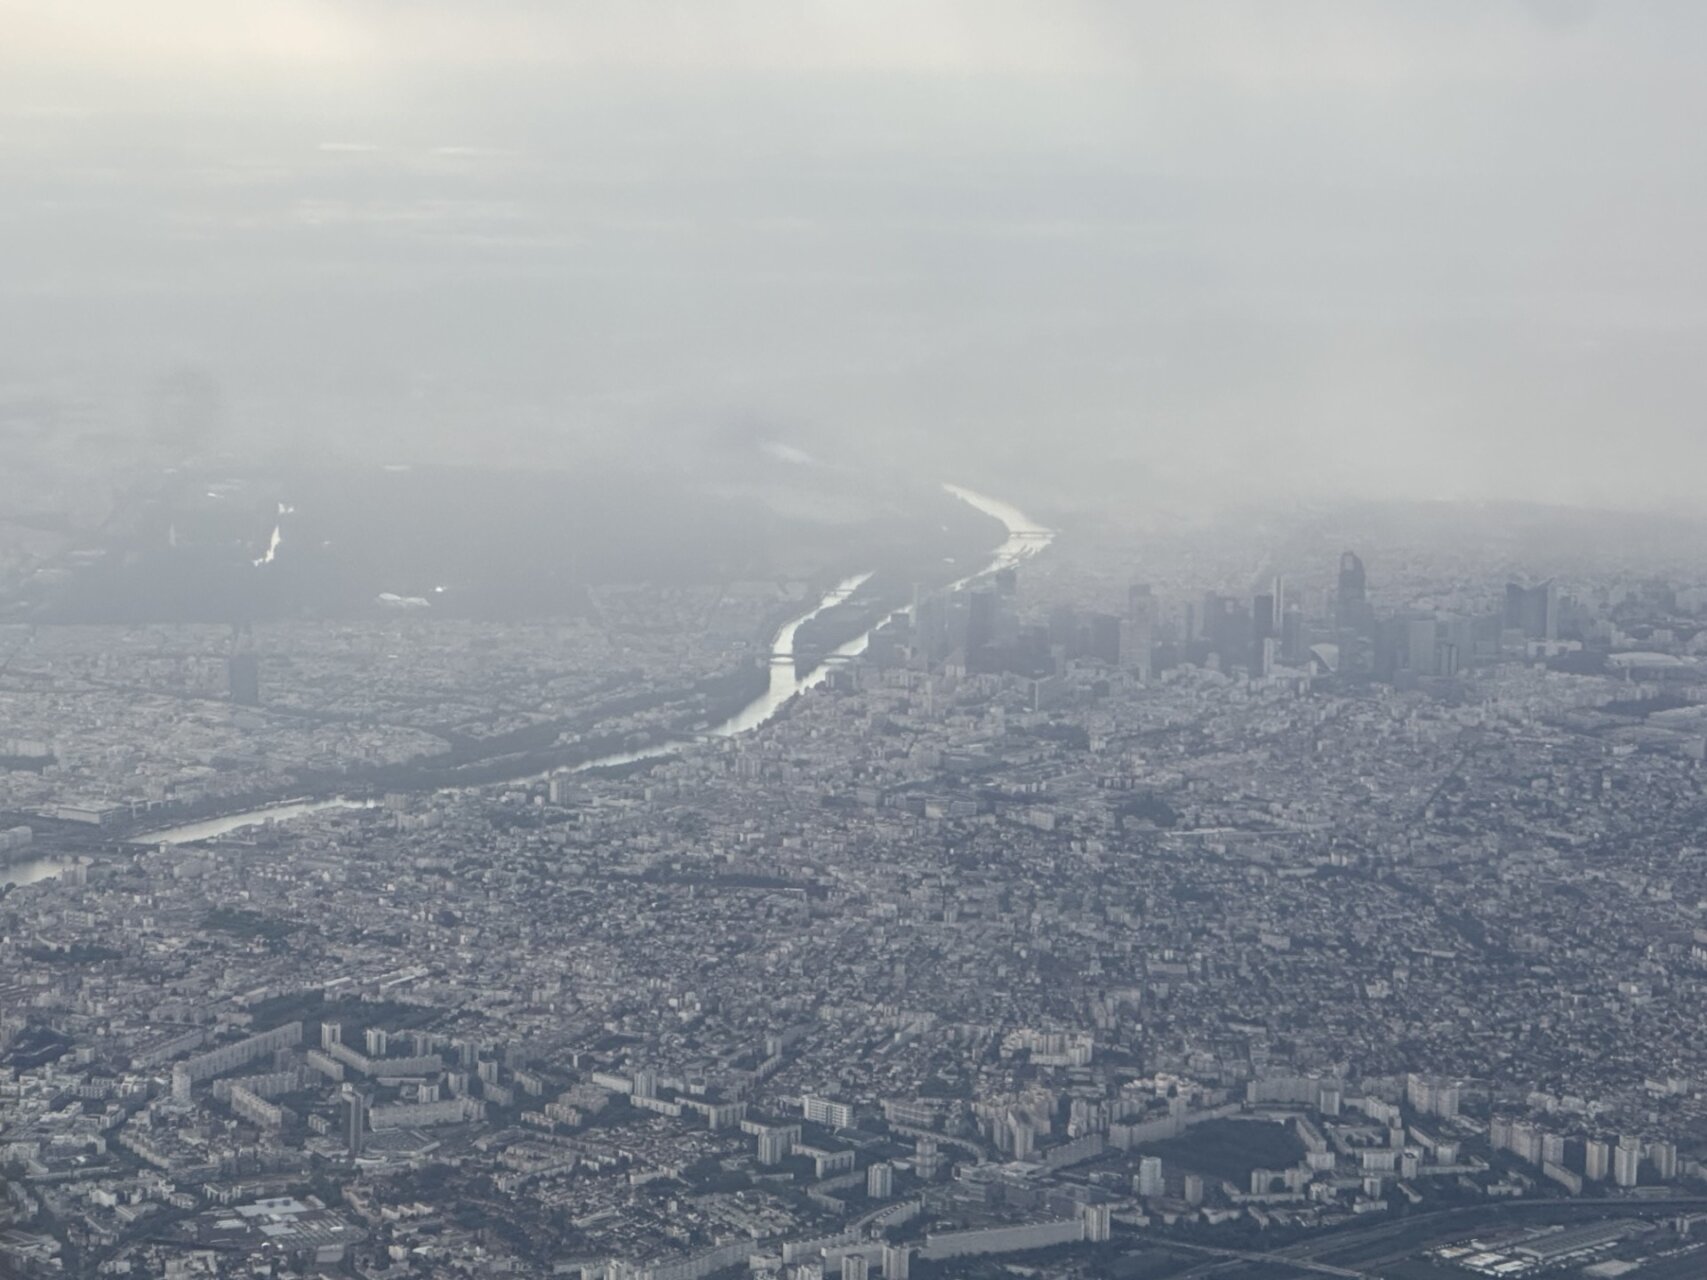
{"points": [[1227, 627], [1139, 599], [980, 620], [1264, 626], [1140, 640], [1294, 640], [243, 674], [1392, 639], [1064, 629], [1262, 615], [1363, 650], [930, 626], [1352, 602], [1533, 610], [1105, 638]]}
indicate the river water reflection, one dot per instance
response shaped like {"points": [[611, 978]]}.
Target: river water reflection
{"points": [[1025, 538]]}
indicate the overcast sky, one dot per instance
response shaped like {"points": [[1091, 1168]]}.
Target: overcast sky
{"points": [[1430, 248]]}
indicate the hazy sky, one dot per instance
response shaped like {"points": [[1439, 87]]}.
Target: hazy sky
{"points": [[1424, 248]]}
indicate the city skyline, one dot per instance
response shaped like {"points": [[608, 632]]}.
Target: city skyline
{"points": [[663, 640]]}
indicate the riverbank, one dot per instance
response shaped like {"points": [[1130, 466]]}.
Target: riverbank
{"points": [[724, 706]]}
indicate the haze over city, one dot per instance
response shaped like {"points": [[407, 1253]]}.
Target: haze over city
{"points": [[852, 641], [1208, 252]]}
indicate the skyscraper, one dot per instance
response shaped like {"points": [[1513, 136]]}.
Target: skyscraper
{"points": [[355, 1105], [1263, 654], [1597, 1160], [1150, 1176], [774, 1145], [880, 1181], [980, 620], [927, 1159], [1664, 1158], [1265, 627], [1139, 598], [1140, 639], [1105, 638], [1293, 640], [1351, 605], [1098, 1222], [1627, 1161], [1533, 610], [1383, 649], [1227, 627]]}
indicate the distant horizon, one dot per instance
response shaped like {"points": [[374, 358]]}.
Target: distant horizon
{"points": [[667, 640], [1208, 251]]}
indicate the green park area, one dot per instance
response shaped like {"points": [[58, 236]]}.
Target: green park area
{"points": [[1229, 1149]]}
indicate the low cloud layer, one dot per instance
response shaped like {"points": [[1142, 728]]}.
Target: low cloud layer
{"points": [[1442, 249]]}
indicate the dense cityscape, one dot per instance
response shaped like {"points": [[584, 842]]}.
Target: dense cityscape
{"points": [[979, 640], [1350, 924]]}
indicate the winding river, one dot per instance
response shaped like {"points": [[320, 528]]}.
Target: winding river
{"points": [[1025, 538]]}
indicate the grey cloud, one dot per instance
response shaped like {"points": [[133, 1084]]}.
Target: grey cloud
{"points": [[1440, 248]]}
